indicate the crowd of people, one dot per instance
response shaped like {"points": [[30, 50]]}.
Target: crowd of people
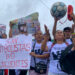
{"points": [[46, 54]]}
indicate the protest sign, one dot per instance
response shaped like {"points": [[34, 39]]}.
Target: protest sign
{"points": [[31, 21], [15, 52]]}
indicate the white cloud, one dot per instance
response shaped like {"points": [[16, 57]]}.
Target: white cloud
{"points": [[12, 9]]}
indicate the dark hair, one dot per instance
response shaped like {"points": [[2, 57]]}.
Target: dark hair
{"points": [[67, 28], [4, 36]]}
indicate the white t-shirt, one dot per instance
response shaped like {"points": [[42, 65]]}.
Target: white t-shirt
{"points": [[69, 41], [49, 44], [38, 51], [54, 57]]}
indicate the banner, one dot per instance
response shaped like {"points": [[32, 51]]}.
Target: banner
{"points": [[2, 29], [31, 21], [15, 52]]}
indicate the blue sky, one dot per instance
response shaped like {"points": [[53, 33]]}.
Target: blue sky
{"points": [[12, 9]]}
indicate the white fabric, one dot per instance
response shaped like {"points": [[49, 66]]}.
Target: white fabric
{"points": [[15, 52], [17, 71], [54, 57], [37, 50], [49, 44], [69, 41]]}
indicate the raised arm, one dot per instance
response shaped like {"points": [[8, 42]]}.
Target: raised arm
{"points": [[54, 27], [46, 38], [10, 31], [73, 26], [74, 19]]}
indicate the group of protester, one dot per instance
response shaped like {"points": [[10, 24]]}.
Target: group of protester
{"points": [[45, 54], [45, 49]]}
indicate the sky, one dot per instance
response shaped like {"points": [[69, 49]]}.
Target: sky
{"points": [[13, 9]]}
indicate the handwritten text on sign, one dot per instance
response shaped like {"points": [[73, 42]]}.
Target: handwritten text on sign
{"points": [[15, 52]]}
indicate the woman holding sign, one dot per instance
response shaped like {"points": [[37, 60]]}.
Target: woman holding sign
{"points": [[22, 31]]}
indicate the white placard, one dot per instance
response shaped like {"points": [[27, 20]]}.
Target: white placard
{"points": [[15, 52]]}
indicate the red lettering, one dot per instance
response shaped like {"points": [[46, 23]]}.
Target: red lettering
{"points": [[6, 48], [27, 47], [24, 63], [3, 63], [12, 55], [23, 47], [12, 63], [7, 56], [19, 46], [14, 40], [15, 48], [17, 63]]}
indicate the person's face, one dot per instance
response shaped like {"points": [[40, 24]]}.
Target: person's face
{"points": [[59, 35], [39, 36], [4, 36], [73, 38], [67, 34]]}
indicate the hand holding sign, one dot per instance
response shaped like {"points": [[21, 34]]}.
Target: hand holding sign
{"points": [[15, 52]]}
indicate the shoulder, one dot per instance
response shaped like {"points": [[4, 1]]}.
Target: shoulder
{"points": [[69, 46], [69, 41], [59, 45], [49, 43]]}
